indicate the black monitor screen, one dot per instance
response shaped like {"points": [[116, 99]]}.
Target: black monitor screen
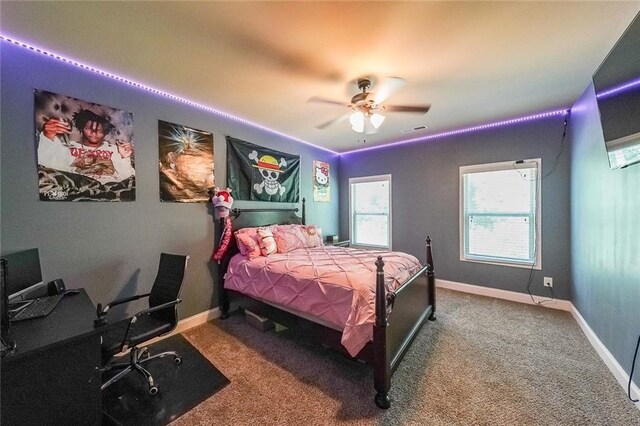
{"points": [[3, 299], [22, 272]]}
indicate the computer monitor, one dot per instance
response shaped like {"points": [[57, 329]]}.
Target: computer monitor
{"points": [[3, 298], [23, 273]]}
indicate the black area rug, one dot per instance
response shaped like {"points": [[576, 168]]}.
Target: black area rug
{"points": [[181, 387]]}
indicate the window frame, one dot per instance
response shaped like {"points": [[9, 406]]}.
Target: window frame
{"points": [[492, 167], [365, 179]]}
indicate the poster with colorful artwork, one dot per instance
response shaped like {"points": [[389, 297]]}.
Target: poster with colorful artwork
{"points": [[85, 150], [186, 163], [321, 182], [257, 173]]}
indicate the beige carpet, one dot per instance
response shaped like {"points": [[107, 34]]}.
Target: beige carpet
{"points": [[484, 362]]}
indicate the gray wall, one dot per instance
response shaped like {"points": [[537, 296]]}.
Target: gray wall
{"points": [[425, 199], [100, 246], [605, 236]]}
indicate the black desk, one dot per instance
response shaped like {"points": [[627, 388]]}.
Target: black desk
{"points": [[53, 376]]}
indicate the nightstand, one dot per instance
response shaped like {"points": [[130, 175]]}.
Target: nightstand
{"points": [[343, 243]]}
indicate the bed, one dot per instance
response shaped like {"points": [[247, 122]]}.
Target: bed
{"points": [[375, 322]]}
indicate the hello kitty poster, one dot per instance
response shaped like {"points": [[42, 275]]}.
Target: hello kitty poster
{"points": [[321, 182]]}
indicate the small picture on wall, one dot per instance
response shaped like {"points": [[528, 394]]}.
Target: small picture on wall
{"points": [[186, 163], [321, 182], [85, 150]]}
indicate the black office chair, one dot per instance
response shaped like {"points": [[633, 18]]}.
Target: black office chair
{"points": [[160, 318]]}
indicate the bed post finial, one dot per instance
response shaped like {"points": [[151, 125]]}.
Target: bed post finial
{"points": [[304, 215], [431, 280]]}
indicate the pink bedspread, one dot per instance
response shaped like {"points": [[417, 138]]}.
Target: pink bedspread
{"points": [[333, 284]]}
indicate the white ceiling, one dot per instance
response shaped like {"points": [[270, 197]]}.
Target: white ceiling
{"points": [[473, 61]]}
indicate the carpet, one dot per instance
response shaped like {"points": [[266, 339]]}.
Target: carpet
{"points": [[181, 387]]}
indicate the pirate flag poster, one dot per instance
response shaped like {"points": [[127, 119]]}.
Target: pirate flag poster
{"points": [[260, 174], [186, 163], [85, 150], [321, 182]]}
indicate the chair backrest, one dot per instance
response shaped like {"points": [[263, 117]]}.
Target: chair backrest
{"points": [[167, 286]]}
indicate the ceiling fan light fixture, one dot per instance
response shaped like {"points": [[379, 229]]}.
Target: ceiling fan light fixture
{"points": [[376, 119], [357, 121]]}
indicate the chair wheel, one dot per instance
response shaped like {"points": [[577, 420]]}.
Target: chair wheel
{"points": [[153, 390], [177, 361]]}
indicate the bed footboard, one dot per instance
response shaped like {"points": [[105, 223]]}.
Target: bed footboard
{"points": [[399, 317]]}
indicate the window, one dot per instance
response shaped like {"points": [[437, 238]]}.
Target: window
{"points": [[370, 211], [500, 213]]}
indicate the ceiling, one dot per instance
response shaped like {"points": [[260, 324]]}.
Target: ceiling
{"points": [[475, 62]]}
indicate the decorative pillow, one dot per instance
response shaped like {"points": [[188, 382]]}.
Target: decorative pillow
{"points": [[267, 242], [248, 242], [313, 236], [290, 237], [250, 232]]}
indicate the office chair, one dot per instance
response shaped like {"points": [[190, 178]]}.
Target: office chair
{"points": [[160, 318]]}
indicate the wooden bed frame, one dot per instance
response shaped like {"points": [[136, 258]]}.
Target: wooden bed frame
{"points": [[400, 314]]}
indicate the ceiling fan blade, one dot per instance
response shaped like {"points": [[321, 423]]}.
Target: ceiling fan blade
{"points": [[389, 86], [325, 101], [418, 109], [332, 122]]}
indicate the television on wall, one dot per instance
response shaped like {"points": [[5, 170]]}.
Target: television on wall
{"points": [[617, 87]]}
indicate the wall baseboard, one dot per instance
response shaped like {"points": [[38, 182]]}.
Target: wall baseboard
{"points": [[563, 305], [612, 364], [616, 369]]}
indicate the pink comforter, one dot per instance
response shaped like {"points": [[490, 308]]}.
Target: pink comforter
{"points": [[334, 284]]}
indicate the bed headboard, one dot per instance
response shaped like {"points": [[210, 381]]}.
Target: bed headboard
{"points": [[248, 218]]}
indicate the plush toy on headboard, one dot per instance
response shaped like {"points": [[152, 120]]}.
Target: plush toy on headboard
{"points": [[222, 201]]}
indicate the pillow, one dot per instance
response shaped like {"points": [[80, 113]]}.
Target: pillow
{"points": [[252, 233], [290, 237], [313, 236], [267, 242], [248, 245]]}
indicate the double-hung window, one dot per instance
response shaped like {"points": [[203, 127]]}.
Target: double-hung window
{"points": [[370, 211], [500, 213]]}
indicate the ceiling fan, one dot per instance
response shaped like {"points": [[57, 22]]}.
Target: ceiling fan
{"points": [[367, 107]]}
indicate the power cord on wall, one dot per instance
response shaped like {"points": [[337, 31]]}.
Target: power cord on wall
{"points": [[633, 364], [539, 179]]}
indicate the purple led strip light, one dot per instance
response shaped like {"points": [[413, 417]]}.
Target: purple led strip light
{"points": [[465, 130], [156, 91], [617, 89], [258, 126]]}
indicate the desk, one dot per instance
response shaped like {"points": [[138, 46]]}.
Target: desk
{"points": [[53, 376]]}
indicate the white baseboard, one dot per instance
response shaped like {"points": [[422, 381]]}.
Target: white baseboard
{"points": [[612, 364], [616, 369], [563, 305]]}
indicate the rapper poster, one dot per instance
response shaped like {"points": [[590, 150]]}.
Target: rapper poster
{"points": [[85, 150], [186, 163], [257, 173], [321, 182]]}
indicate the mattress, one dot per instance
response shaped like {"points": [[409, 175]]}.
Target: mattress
{"points": [[333, 285]]}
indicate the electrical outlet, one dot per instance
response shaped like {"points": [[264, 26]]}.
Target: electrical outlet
{"points": [[548, 282]]}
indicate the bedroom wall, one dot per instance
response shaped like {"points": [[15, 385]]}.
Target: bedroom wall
{"points": [[425, 195], [112, 249], [605, 236]]}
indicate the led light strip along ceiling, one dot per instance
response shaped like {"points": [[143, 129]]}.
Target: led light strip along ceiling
{"points": [[156, 91], [258, 126], [465, 130]]}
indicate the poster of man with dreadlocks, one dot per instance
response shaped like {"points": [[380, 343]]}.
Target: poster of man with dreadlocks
{"points": [[85, 150]]}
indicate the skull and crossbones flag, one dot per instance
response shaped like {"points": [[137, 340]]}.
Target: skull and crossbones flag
{"points": [[257, 173]]}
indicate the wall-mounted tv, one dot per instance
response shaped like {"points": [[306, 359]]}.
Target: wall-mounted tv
{"points": [[617, 87]]}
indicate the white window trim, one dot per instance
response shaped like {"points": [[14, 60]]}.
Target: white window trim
{"points": [[505, 165], [365, 179]]}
